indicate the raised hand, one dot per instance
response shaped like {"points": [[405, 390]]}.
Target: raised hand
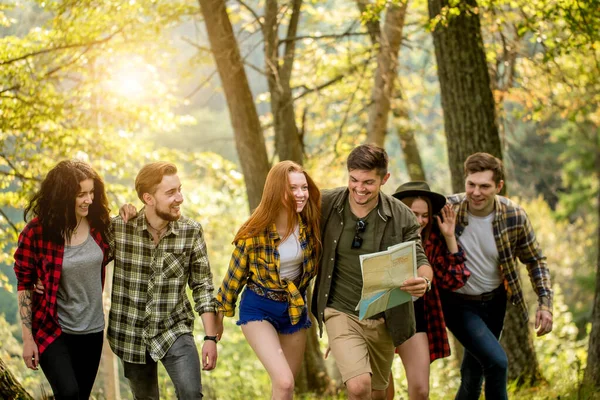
{"points": [[448, 221]]}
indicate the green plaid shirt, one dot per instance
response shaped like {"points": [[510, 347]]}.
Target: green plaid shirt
{"points": [[514, 238], [150, 308]]}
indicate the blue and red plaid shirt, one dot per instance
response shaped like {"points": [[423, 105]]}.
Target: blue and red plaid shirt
{"points": [[449, 273], [37, 258]]}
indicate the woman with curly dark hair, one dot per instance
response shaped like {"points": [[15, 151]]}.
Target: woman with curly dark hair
{"points": [[64, 248]]}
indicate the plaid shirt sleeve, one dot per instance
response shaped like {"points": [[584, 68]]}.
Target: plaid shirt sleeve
{"points": [[449, 269], [25, 260], [200, 279], [530, 254], [234, 280]]}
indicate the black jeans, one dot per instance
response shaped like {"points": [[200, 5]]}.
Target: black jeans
{"points": [[182, 363], [477, 326], [70, 364]]}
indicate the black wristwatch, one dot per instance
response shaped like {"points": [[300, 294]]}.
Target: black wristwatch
{"points": [[213, 338]]}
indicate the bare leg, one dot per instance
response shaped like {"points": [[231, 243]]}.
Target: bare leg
{"points": [[415, 357], [359, 387], [391, 390], [264, 340], [293, 349]]}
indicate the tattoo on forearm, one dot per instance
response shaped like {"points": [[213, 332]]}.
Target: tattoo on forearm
{"points": [[25, 308]]}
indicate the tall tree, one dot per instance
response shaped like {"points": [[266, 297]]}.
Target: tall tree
{"points": [[389, 40], [288, 142], [467, 100], [249, 139], [387, 89], [470, 126]]}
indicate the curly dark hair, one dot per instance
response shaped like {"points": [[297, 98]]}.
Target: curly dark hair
{"points": [[54, 203]]}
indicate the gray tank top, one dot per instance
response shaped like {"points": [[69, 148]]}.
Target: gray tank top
{"points": [[79, 297]]}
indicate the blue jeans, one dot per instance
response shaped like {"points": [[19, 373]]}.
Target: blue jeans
{"points": [[477, 326], [182, 364]]}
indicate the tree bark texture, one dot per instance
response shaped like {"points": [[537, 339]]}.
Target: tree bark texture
{"points": [[592, 371], [470, 125], [249, 140], [467, 100], [288, 142], [516, 340], [406, 135], [9, 387], [390, 40]]}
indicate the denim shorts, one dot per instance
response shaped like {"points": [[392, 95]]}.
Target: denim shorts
{"points": [[257, 308]]}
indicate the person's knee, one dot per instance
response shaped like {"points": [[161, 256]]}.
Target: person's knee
{"points": [[284, 385], [189, 391], [69, 393], [498, 364], [419, 392], [359, 387]]}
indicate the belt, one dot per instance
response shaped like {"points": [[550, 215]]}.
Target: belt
{"points": [[487, 296], [275, 295]]}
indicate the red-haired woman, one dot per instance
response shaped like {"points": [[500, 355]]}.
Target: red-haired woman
{"points": [[65, 249], [449, 272], [275, 257]]}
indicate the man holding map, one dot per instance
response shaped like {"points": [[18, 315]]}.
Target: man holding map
{"points": [[358, 220]]}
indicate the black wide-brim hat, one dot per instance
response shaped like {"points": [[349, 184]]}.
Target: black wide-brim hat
{"points": [[421, 189]]}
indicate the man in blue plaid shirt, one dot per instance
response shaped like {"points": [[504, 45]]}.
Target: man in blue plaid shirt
{"points": [[156, 255]]}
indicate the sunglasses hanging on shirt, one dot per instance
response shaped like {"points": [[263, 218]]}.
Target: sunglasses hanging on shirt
{"points": [[360, 228]]}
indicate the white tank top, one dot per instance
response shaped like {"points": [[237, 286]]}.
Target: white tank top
{"points": [[481, 255], [290, 256]]}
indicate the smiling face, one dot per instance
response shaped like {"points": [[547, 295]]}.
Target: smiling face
{"points": [[481, 191], [299, 188], [420, 208], [84, 198], [364, 186], [167, 198]]}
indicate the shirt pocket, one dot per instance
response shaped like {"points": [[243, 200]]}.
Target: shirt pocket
{"points": [[265, 270], [174, 265]]}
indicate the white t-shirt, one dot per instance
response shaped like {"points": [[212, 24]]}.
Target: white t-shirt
{"points": [[290, 256], [481, 255]]}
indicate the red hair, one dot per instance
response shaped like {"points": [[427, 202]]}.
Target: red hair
{"points": [[276, 195]]}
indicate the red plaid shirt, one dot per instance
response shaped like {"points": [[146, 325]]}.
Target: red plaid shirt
{"points": [[36, 258], [449, 273]]}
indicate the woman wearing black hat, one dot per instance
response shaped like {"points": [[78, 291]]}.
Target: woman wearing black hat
{"points": [[447, 260]]}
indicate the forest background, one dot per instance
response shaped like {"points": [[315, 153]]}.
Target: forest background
{"points": [[225, 89]]}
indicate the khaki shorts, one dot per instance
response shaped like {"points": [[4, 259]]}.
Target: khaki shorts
{"points": [[360, 347]]}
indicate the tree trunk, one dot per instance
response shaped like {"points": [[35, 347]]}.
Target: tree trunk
{"points": [[406, 134], [288, 143], [390, 40], [592, 371], [9, 387], [467, 100], [516, 339], [470, 125], [412, 157], [249, 140]]}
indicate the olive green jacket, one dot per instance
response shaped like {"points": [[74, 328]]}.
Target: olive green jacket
{"points": [[399, 225]]}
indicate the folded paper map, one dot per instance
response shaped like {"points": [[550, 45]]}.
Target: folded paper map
{"points": [[383, 274]]}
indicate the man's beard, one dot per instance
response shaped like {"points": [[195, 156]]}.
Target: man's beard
{"points": [[166, 216]]}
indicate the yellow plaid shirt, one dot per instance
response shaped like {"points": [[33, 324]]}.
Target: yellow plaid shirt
{"points": [[256, 259]]}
